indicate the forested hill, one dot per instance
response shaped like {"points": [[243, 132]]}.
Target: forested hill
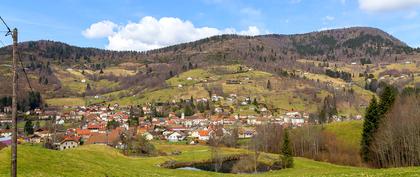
{"points": [[338, 44], [43, 60]]}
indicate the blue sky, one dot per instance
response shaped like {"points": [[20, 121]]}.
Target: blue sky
{"points": [[143, 25]]}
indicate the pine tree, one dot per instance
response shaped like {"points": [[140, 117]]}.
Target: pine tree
{"points": [[29, 127], [88, 88], [188, 111], [141, 112], [371, 119], [286, 151], [387, 100], [269, 85]]}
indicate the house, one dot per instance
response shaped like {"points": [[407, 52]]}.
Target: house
{"points": [[203, 135], [98, 138], [5, 133], [298, 121], [35, 138], [233, 81], [174, 137], [246, 134], [111, 138], [94, 127], [69, 142], [147, 136], [84, 133], [6, 140], [195, 134], [42, 132]]}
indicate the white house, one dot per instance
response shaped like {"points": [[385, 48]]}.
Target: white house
{"points": [[148, 136], [194, 134], [298, 121], [174, 137], [68, 143]]}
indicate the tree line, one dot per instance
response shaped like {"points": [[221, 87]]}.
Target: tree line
{"points": [[390, 132], [30, 102]]}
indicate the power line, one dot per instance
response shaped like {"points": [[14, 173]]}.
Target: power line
{"points": [[13, 159], [24, 71], [8, 32]]}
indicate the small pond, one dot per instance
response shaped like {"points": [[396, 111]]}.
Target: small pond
{"points": [[228, 165]]}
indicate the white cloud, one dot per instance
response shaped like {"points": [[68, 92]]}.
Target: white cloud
{"points": [[386, 5], [151, 33], [100, 29]]}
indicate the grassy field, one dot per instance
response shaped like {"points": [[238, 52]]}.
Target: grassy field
{"points": [[65, 101], [99, 160], [286, 94], [349, 132]]}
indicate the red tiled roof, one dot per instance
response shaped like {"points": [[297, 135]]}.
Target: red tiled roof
{"points": [[71, 138], [94, 126], [82, 132], [203, 133], [102, 138]]}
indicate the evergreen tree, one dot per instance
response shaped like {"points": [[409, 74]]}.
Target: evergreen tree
{"points": [[269, 85], [88, 88], [255, 102], [286, 151], [34, 100], [387, 100], [112, 124], [188, 111], [371, 119], [29, 127], [141, 112]]}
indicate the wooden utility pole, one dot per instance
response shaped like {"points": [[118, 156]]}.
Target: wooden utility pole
{"points": [[14, 106]]}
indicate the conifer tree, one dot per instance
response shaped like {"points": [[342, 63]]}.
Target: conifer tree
{"points": [[286, 151], [371, 118], [387, 100], [269, 85], [29, 127]]}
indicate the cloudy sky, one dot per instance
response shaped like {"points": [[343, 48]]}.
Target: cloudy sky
{"points": [[144, 25]]}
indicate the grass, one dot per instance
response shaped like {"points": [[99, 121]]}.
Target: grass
{"points": [[42, 123], [118, 71], [99, 160], [349, 132], [286, 95], [65, 101]]}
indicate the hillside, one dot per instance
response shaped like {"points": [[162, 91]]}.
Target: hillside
{"points": [[64, 72], [97, 160], [286, 93]]}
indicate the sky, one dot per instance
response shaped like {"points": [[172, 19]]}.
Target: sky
{"points": [[143, 25]]}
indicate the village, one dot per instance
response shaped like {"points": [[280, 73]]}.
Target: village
{"points": [[70, 127]]}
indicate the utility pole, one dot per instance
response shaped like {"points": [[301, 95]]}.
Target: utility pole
{"points": [[14, 106]]}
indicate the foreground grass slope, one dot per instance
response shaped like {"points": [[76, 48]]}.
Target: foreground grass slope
{"points": [[97, 160]]}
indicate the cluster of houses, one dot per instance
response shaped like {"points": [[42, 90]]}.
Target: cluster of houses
{"points": [[93, 125]]}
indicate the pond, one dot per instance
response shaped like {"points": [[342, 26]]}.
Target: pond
{"points": [[232, 164]]}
